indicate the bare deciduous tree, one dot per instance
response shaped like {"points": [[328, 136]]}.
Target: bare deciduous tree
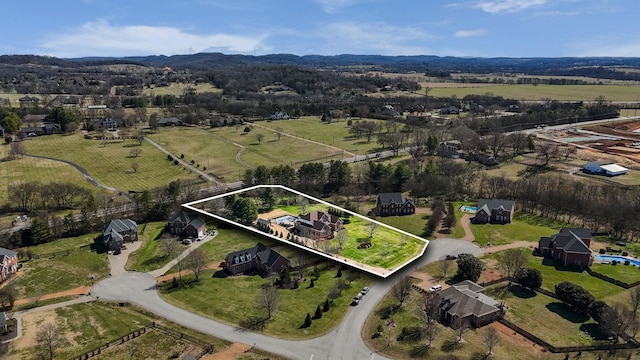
{"points": [[197, 261], [491, 338], [134, 167], [445, 265], [372, 229], [634, 300], [135, 152], [268, 299], [49, 339], [402, 290], [342, 237], [259, 137], [279, 132], [170, 246], [461, 326], [510, 261]]}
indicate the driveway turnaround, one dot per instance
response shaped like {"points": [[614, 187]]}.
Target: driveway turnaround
{"points": [[342, 343]]}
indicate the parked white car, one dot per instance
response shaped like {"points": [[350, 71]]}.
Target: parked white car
{"points": [[435, 288]]}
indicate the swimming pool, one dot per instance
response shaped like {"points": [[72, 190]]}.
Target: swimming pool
{"points": [[469, 209], [287, 219], [608, 258]]}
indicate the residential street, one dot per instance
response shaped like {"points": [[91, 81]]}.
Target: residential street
{"points": [[344, 342]]}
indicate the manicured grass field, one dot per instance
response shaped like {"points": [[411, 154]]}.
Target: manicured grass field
{"points": [[625, 273], [334, 134], [547, 318], [294, 303], [271, 151], [178, 89], [205, 148], [110, 163], [524, 227], [33, 169], [539, 92], [631, 178]]}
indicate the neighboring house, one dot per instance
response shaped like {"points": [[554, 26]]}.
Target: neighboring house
{"points": [[465, 302], [449, 110], [8, 263], [570, 247], [258, 258], [186, 224], [119, 231], [317, 225], [388, 110], [279, 116], [107, 123], [393, 204], [170, 121], [418, 116], [28, 101], [450, 148], [494, 211], [482, 158], [46, 128], [604, 167]]}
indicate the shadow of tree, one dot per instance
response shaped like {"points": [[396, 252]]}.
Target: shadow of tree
{"points": [[566, 312], [450, 345], [387, 311]]}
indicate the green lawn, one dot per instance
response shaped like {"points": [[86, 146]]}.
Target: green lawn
{"points": [[110, 163], [625, 273], [540, 92], [414, 224], [334, 134], [546, 317], [150, 255], [46, 276], [631, 178], [271, 151], [294, 303], [524, 227]]}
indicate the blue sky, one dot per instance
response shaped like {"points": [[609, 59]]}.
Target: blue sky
{"points": [[482, 28]]}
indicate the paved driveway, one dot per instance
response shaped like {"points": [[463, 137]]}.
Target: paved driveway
{"points": [[342, 343]]}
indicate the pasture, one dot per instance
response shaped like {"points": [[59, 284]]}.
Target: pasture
{"points": [[543, 92], [179, 89], [110, 162]]}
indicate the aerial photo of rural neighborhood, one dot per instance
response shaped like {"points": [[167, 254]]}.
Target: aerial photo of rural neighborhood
{"points": [[325, 207]]}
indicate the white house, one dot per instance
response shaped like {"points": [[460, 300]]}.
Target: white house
{"points": [[604, 167]]}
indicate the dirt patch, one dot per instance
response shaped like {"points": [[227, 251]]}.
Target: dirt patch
{"points": [[30, 324], [233, 352], [83, 290], [274, 214], [423, 210], [515, 338]]}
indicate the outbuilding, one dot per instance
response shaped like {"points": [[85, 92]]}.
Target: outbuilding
{"points": [[604, 167]]}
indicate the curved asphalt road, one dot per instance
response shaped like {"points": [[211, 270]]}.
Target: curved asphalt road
{"points": [[344, 342]]}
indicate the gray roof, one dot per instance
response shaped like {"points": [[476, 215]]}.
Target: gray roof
{"points": [[7, 252], [266, 255], [465, 298], [490, 204], [579, 232], [570, 242], [169, 120], [120, 226], [187, 218], [387, 198], [3, 320]]}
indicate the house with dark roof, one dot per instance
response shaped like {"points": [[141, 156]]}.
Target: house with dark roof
{"points": [[570, 247], [186, 224], [259, 258], [450, 148], [317, 225], [8, 263], [107, 123], [393, 204], [118, 232], [465, 302], [170, 121], [494, 211]]}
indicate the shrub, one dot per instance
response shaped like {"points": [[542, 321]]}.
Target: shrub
{"points": [[181, 156], [627, 262], [624, 253], [574, 295], [247, 129], [614, 262], [193, 162], [169, 157], [312, 283], [175, 162], [602, 251]]}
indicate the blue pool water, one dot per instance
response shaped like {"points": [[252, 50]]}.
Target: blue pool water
{"points": [[617, 258], [469, 209], [287, 218]]}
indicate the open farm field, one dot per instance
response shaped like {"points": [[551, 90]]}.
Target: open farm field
{"points": [[178, 89], [34, 169], [271, 151], [542, 92], [334, 134], [109, 163], [205, 148]]}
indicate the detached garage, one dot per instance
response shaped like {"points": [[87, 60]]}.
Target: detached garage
{"points": [[603, 167]]}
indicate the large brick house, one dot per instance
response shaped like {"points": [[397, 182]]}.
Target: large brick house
{"points": [[393, 204], [465, 302], [119, 231], [570, 247], [259, 258], [186, 224], [317, 225], [8, 263], [494, 211]]}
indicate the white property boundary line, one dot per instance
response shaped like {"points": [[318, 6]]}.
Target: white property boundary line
{"points": [[384, 274]]}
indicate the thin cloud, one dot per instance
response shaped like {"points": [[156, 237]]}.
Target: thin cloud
{"points": [[100, 38], [498, 6], [373, 38], [470, 33], [616, 50]]}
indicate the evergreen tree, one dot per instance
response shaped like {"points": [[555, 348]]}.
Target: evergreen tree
{"points": [[326, 306], [318, 314], [307, 320]]}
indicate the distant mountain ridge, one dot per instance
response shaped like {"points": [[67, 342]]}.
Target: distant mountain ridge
{"points": [[418, 63]]}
